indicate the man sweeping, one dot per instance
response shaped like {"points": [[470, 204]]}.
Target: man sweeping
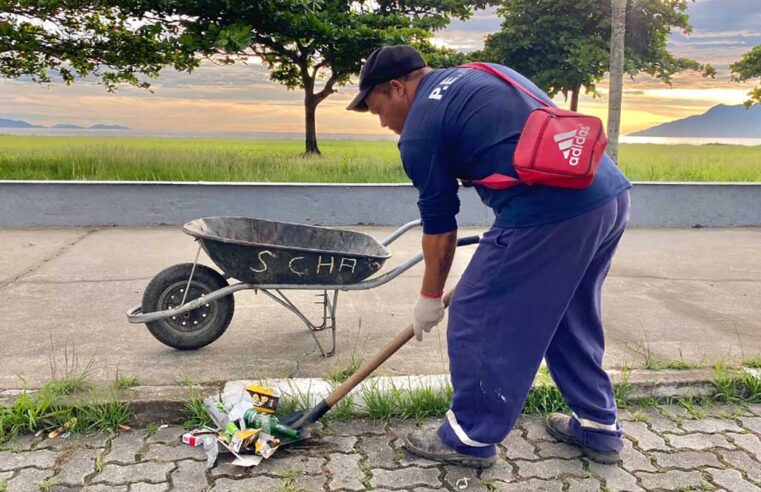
{"points": [[532, 289]]}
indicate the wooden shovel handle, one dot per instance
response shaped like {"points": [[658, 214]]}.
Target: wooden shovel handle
{"points": [[379, 358]]}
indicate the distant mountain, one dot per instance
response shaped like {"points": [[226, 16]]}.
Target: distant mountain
{"points": [[720, 121], [16, 124], [108, 127], [62, 126]]}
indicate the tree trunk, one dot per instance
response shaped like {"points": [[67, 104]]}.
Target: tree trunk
{"points": [[575, 98], [310, 107], [615, 91]]}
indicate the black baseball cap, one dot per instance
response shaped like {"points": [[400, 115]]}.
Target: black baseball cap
{"points": [[384, 64]]}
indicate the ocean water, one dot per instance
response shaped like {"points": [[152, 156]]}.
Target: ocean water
{"points": [[690, 140], [61, 132], [333, 136]]}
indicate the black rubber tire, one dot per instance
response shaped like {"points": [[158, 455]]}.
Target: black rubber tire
{"points": [[212, 319]]}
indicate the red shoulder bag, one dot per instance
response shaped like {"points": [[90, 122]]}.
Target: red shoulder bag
{"points": [[557, 147]]}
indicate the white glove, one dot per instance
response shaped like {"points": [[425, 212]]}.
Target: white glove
{"points": [[427, 313]]}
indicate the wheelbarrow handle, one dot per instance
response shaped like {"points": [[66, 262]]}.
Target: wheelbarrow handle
{"points": [[416, 223], [468, 240], [399, 232]]}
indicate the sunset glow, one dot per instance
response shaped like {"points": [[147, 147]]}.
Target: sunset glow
{"points": [[240, 98]]}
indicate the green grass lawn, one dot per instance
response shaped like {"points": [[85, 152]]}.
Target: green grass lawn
{"points": [[190, 159]]}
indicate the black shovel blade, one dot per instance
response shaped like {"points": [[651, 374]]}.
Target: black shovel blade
{"points": [[290, 418]]}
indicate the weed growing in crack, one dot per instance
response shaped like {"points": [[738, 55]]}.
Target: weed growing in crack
{"points": [[47, 484], [298, 400], [378, 403], [693, 406], [52, 406], [185, 380], [736, 387], [703, 486], [194, 411], [73, 378], [623, 389], [289, 485], [104, 416], [488, 485], [31, 412], [339, 375], [424, 402], [653, 363], [366, 480], [125, 382], [543, 377], [640, 417], [99, 462], [544, 400], [399, 455], [648, 403], [381, 404], [344, 409], [679, 365]]}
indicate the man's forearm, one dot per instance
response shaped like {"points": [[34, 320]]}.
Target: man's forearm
{"points": [[438, 253]]}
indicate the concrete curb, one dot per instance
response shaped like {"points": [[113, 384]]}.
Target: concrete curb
{"points": [[152, 404], [644, 384]]}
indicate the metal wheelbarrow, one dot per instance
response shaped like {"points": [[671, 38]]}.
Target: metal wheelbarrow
{"points": [[189, 305]]}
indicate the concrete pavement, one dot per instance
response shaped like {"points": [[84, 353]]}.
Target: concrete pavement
{"points": [[672, 293]]}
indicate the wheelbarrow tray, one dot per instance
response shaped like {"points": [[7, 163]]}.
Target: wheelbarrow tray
{"points": [[260, 251]]}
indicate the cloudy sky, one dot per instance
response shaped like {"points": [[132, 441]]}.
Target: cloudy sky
{"points": [[240, 98]]}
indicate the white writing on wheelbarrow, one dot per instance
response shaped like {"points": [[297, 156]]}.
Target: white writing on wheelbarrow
{"points": [[290, 266], [263, 268], [321, 264], [349, 264]]}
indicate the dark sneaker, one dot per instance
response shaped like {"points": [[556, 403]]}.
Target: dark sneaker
{"points": [[561, 427], [427, 444]]}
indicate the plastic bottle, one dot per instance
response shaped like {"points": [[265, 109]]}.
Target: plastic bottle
{"points": [[219, 417]]}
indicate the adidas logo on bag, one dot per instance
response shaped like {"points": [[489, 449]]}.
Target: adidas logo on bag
{"points": [[572, 143]]}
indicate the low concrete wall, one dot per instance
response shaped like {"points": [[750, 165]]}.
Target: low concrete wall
{"points": [[80, 203], [696, 204]]}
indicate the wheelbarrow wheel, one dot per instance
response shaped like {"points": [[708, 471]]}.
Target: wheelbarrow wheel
{"points": [[196, 328]]}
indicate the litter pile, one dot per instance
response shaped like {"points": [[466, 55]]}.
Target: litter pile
{"points": [[246, 426]]}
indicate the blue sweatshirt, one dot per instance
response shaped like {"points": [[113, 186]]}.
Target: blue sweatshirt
{"points": [[465, 124]]}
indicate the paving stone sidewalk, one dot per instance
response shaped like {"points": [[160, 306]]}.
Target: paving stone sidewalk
{"points": [[666, 449]]}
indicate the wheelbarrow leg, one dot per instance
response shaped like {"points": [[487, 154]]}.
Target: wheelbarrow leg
{"points": [[331, 315], [192, 271], [328, 319]]}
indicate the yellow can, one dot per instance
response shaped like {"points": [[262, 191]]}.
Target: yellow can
{"points": [[265, 399]]}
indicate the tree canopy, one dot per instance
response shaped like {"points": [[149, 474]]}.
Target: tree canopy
{"points": [[749, 67], [312, 45], [72, 39], [564, 45]]}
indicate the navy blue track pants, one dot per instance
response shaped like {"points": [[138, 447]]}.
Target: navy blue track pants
{"points": [[528, 294]]}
